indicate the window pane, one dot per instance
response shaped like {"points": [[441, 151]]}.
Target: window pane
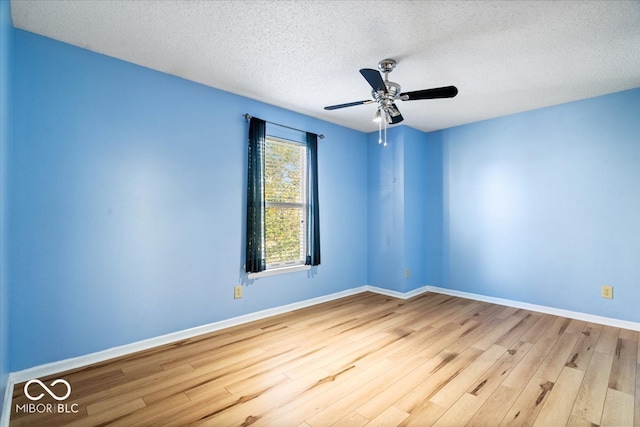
{"points": [[285, 172], [286, 198], [285, 234]]}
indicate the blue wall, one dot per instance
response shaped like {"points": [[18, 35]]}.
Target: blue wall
{"points": [[385, 210], [544, 206], [434, 202], [417, 223], [6, 42], [405, 210], [129, 189]]}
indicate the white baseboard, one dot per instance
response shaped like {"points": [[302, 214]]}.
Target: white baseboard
{"points": [[77, 362], [396, 294], [624, 324], [5, 415]]}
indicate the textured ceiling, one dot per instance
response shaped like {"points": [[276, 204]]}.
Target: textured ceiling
{"points": [[504, 57]]}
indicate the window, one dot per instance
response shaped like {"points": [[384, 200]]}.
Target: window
{"points": [[285, 186], [283, 224]]}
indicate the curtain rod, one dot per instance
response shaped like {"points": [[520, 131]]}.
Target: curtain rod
{"points": [[248, 117]]}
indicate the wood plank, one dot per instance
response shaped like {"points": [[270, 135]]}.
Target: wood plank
{"points": [[538, 329], [460, 313], [210, 377], [495, 375], [276, 397], [526, 408], [501, 328], [559, 327], [158, 410], [432, 316], [618, 409], [413, 342], [360, 395], [389, 396], [425, 415], [627, 334], [352, 419], [329, 402], [448, 368], [524, 371], [579, 422], [294, 408], [576, 326], [636, 417], [334, 351], [515, 333], [557, 357], [247, 408], [213, 400], [460, 412], [557, 409], [495, 407], [623, 372], [456, 388], [608, 340], [105, 416], [392, 416], [590, 400], [365, 356], [584, 348]]}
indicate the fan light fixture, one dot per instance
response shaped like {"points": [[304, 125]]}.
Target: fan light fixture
{"points": [[382, 124]]}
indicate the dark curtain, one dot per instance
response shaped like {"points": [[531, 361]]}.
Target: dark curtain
{"points": [[255, 256], [313, 211]]}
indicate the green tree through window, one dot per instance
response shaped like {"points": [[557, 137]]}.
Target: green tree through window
{"points": [[285, 202]]}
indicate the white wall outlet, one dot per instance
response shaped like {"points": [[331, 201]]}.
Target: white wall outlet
{"points": [[607, 291], [237, 292]]}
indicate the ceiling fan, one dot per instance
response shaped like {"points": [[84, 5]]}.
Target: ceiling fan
{"points": [[386, 92]]}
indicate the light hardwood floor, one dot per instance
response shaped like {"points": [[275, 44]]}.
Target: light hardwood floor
{"points": [[368, 360]]}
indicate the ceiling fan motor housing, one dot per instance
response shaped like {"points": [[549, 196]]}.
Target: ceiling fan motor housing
{"points": [[386, 98]]}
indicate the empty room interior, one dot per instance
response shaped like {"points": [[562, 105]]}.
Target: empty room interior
{"points": [[320, 213]]}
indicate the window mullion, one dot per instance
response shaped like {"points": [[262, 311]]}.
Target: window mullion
{"points": [[284, 205]]}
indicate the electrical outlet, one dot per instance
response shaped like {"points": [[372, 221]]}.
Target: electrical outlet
{"points": [[607, 291], [237, 292], [406, 273]]}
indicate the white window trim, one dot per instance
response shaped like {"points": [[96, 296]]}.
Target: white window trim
{"points": [[277, 271]]}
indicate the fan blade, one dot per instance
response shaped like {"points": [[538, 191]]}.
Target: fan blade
{"points": [[438, 92], [398, 117], [349, 104], [374, 78]]}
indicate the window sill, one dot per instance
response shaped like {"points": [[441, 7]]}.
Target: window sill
{"points": [[276, 271]]}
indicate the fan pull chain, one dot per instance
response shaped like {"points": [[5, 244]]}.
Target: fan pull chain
{"points": [[385, 132]]}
